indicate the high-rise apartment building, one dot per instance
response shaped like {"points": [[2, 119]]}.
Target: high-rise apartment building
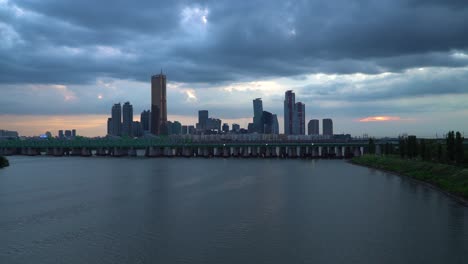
{"points": [[202, 119], [109, 126], [275, 125], [289, 112], [258, 111], [127, 116], [327, 126], [117, 120], [299, 120], [158, 104], [313, 127], [145, 120]]}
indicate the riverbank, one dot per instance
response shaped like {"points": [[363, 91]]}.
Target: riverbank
{"points": [[450, 179], [3, 162]]}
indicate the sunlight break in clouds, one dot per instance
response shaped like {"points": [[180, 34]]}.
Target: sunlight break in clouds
{"points": [[380, 119]]}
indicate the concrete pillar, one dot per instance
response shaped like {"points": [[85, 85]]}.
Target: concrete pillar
{"points": [[378, 149]]}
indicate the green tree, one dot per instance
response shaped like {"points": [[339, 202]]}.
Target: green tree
{"points": [[371, 146], [402, 147], [439, 152], [422, 149], [451, 146], [459, 151], [412, 147]]}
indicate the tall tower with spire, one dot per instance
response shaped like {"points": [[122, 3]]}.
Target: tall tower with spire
{"points": [[158, 104]]}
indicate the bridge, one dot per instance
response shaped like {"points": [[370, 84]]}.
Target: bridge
{"points": [[170, 147]]}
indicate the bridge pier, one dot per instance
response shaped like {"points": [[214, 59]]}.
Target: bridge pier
{"points": [[85, 152]]}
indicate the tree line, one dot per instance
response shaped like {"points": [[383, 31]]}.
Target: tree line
{"points": [[451, 150]]}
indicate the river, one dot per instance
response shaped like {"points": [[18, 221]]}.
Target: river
{"points": [[142, 210]]}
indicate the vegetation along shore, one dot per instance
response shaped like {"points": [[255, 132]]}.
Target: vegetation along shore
{"points": [[3, 162]]}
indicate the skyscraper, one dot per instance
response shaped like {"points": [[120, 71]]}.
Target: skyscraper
{"points": [[117, 120], [299, 120], [313, 127], [127, 111], [327, 125], [275, 125], [258, 111], [176, 128], [109, 126], [289, 109], [202, 119], [145, 120], [267, 123], [158, 104]]}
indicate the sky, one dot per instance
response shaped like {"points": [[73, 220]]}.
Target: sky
{"points": [[377, 67]]}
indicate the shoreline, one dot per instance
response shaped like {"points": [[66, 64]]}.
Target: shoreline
{"points": [[458, 198]]}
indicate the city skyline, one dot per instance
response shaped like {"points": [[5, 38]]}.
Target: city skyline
{"points": [[383, 75]]}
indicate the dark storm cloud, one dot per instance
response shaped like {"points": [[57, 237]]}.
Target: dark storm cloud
{"points": [[51, 41]]}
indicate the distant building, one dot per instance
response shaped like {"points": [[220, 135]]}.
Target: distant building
{"points": [[184, 130], [313, 127], [289, 112], [299, 119], [250, 128], [8, 133], [127, 116], [267, 122], [73, 132], [213, 124], [202, 119], [117, 120], [327, 126], [235, 128], [169, 127], [68, 133], [225, 128], [48, 134], [110, 129], [158, 104], [137, 129], [176, 128], [60, 134], [257, 119], [275, 128], [145, 120], [192, 130]]}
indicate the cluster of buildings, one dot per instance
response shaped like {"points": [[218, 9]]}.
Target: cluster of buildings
{"points": [[63, 134], [154, 121], [8, 134]]}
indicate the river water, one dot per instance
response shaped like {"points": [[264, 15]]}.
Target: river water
{"points": [[139, 210]]}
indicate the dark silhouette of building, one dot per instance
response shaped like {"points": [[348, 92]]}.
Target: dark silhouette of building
{"points": [[327, 125], [235, 128], [116, 120], [109, 126], [68, 133], [267, 123], [127, 116], [289, 112], [145, 120], [299, 119], [275, 125], [158, 104], [257, 119], [176, 128], [137, 129], [73, 132], [60, 134], [202, 119], [313, 127], [225, 128]]}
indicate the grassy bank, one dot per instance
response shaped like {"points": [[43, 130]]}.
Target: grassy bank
{"points": [[449, 178], [3, 162]]}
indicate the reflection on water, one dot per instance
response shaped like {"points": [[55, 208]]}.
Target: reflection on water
{"points": [[138, 210]]}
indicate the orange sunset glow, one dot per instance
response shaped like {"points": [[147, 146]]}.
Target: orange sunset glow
{"points": [[380, 119]]}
